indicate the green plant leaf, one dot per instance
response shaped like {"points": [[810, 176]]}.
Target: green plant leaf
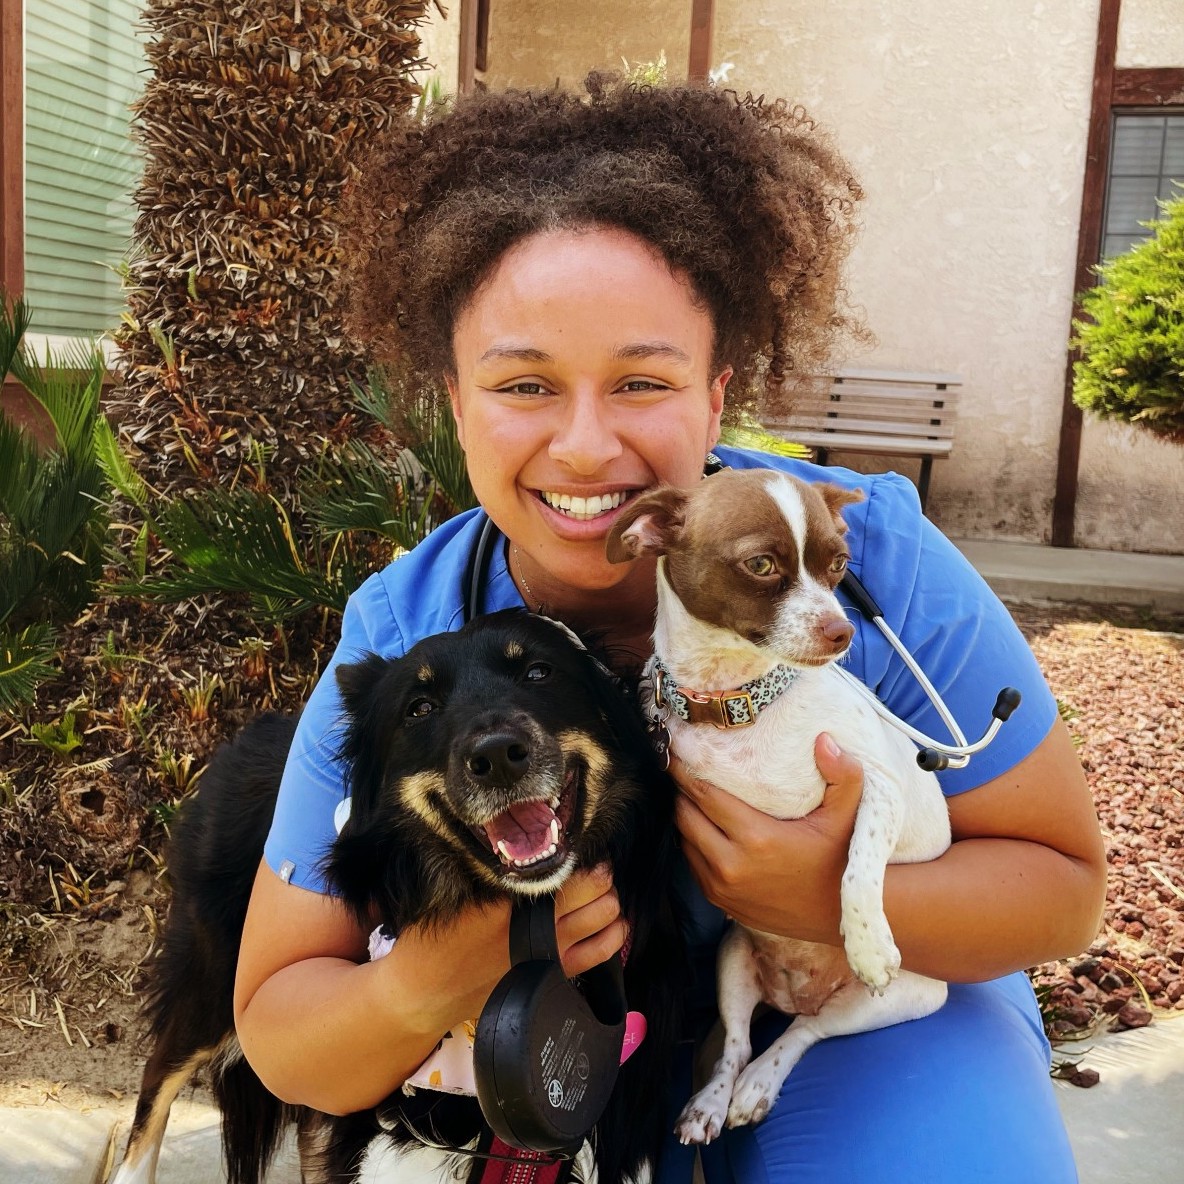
{"points": [[26, 661]]}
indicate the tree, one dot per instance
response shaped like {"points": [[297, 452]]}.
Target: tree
{"points": [[1132, 348], [232, 341]]}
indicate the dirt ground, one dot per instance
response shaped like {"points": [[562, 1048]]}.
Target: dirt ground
{"points": [[73, 957]]}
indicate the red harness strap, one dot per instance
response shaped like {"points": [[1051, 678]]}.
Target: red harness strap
{"points": [[526, 1168]]}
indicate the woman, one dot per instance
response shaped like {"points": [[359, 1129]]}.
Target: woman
{"points": [[596, 280]]}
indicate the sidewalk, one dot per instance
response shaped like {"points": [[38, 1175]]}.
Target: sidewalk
{"points": [[1124, 1130], [1029, 571]]}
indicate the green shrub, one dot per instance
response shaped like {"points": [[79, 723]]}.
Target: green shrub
{"points": [[53, 516], [1132, 348]]}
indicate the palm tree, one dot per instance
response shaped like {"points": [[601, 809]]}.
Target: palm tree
{"points": [[232, 342]]}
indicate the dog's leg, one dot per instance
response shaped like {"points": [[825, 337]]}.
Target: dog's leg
{"points": [[162, 1082], [739, 992], [867, 938], [853, 1008]]}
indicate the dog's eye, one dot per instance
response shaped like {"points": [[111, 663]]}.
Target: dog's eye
{"points": [[538, 672], [418, 708], [838, 564], [761, 565]]}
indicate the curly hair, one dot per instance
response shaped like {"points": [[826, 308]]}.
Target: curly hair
{"points": [[746, 198]]}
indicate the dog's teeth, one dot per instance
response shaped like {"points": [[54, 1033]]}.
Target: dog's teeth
{"points": [[501, 850], [554, 802], [554, 833]]}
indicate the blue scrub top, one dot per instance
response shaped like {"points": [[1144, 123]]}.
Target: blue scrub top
{"points": [[932, 598]]}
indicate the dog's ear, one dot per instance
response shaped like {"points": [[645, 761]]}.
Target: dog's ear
{"points": [[358, 681], [649, 525], [836, 497]]}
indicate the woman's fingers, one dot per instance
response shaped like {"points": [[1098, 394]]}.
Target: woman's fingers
{"points": [[589, 927]]}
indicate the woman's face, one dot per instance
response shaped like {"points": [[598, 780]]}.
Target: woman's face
{"points": [[582, 378]]}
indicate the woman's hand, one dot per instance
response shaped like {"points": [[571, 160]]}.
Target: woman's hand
{"points": [[459, 964], [777, 876]]}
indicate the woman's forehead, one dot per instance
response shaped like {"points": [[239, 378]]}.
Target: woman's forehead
{"points": [[601, 283]]}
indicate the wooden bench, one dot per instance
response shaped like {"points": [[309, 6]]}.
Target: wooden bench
{"points": [[882, 412]]}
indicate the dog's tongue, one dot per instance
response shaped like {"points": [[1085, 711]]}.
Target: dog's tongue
{"points": [[523, 831]]}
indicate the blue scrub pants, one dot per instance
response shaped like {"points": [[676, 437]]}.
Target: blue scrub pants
{"points": [[960, 1097]]}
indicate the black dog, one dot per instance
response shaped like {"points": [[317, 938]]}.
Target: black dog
{"points": [[486, 762]]}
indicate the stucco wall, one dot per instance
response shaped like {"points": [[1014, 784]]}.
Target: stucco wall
{"points": [[1151, 33], [967, 124], [536, 42]]}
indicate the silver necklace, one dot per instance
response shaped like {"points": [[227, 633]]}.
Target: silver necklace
{"points": [[530, 596]]}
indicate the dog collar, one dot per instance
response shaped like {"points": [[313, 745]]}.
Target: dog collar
{"points": [[724, 709]]}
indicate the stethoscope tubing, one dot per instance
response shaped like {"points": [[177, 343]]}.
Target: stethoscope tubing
{"points": [[934, 754]]}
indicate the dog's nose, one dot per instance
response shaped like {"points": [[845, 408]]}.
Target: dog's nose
{"points": [[838, 632], [498, 758]]}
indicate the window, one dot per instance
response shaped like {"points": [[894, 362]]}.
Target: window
{"points": [[1146, 157], [83, 67]]}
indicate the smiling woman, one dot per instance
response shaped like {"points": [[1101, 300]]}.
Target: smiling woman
{"points": [[600, 281], [582, 378]]}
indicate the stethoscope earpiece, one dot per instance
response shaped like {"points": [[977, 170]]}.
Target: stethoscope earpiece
{"points": [[934, 755]]}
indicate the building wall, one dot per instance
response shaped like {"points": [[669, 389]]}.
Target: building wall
{"points": [[967, 124], [539, 42]]}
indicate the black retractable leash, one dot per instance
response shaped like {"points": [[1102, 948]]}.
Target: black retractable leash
{"points": [[546, 1054]]}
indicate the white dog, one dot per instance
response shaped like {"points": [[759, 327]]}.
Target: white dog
{"points": [[747, 629]]}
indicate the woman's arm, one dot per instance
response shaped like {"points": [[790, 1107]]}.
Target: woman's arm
{"points": [[324, 1028], [1023, 882]]}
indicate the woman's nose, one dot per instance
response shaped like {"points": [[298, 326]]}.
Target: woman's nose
{"points": [[586, 438]]}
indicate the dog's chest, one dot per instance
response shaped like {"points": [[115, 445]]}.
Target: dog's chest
{"points": [[770, 764], [797, 977]]}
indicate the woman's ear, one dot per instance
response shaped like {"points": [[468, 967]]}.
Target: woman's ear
{"points": [[454, 399], [717, 405]]}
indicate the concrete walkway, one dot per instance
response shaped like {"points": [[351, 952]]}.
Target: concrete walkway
{"points": [[1028, 571], [1126, 1129]]}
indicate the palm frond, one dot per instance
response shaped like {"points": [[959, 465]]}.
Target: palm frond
{"points": [[750, 434], [14, 323], [25, 662], [240, 541], [118, 470], [68, 385], [356, 489]]}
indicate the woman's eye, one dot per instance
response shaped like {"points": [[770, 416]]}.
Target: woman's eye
{"points": [[761, 565], [418, 708], [642, 384], [838, 564], [538, 672], [523, 388]]}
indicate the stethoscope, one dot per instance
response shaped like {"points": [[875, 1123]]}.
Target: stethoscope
{"points": [[933, 756]]}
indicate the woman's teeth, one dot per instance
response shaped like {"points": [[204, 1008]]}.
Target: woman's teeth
{"points": [[583, 507]]}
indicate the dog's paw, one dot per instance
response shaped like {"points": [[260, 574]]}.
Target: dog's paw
{"points": [[754, 1095], [871, 951], [702, 1118], [876, 967]]}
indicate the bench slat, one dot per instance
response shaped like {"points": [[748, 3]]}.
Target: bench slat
{"points": [[888, 427], [870, 409], [852, 442], [917, 377], [882, 394]]}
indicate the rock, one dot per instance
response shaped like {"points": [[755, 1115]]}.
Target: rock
{"points": [[1110, 981], [1132, 1015], [1084, 1078]]}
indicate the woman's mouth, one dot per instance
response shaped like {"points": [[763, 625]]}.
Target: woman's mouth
{"points": [[584, 509]]}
